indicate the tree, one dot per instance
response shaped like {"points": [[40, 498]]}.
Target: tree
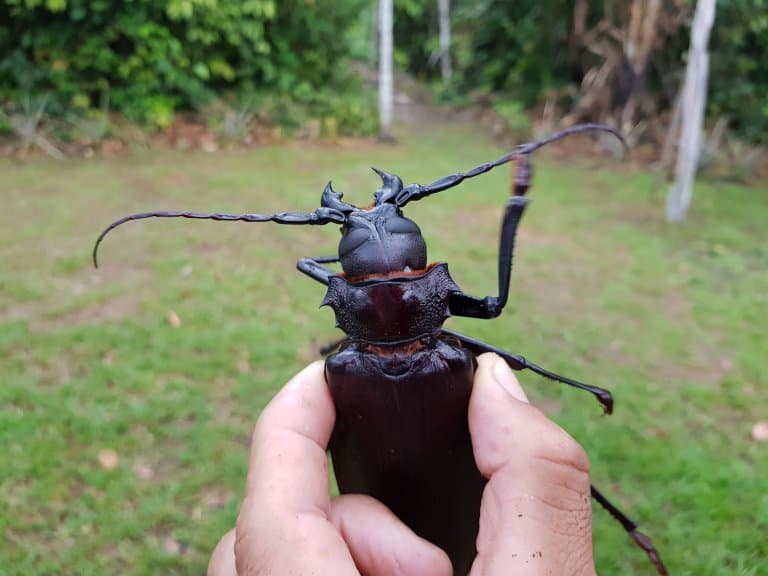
{"points": [[444, 21], [386, 89], [619, 50], [693, 103]]}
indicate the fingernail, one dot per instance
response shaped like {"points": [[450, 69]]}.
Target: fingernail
{"points": [[506, 379]]}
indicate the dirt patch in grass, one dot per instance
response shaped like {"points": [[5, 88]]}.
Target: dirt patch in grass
{"points": [[113, 310]]}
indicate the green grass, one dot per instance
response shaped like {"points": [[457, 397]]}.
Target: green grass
{"points": [[671, 318]]}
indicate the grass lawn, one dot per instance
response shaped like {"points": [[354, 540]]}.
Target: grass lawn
{"points": [[124, 434]]}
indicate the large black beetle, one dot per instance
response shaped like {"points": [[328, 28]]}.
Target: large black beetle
{"points": [[401, 382]]}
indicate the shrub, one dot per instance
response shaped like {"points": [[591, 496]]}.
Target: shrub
{"points": [[153, 57]]}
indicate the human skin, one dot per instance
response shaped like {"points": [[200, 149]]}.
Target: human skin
{"points": [[535, 514]]}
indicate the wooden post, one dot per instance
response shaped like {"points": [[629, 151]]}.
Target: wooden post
{"points": [[444, 24], [386, 89], [693, 102]]}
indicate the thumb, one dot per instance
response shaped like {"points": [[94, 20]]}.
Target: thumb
{"points": [[535, 515], [381, 544], [507, 431]]}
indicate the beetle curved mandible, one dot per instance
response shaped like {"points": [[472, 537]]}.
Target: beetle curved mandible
{"points": [[399, 365]]}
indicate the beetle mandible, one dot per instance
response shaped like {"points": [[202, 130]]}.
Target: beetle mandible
{"points": [[401, 382]]}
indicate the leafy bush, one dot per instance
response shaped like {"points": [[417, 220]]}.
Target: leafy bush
{"points": [[525, 50], [153, 57], [513, 112], [738, 79]]}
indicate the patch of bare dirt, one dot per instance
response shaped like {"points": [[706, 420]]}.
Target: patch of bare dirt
{"points": [[677, 306], [112, 310], [707, 364]]}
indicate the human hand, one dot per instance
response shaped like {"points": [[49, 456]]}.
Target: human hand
{"points": [[535, 512], [289, 525]]}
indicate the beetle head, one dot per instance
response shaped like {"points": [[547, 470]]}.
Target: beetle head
{"points": [[380, 241]]}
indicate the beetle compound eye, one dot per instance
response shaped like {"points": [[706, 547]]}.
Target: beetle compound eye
{"points": [[402, 226]]}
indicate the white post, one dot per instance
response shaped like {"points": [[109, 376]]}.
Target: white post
{"points": [[385, 70], [693, 102], [444, 23]]}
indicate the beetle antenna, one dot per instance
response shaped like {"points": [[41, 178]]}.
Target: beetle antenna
{"points": [[533, 146], [323, 215], [417, 191]]}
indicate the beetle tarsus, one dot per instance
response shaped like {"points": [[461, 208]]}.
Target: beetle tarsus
{"points": [[642, 540]]}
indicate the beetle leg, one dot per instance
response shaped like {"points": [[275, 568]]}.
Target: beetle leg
{"points": [[331, 346], [312, 268], [517, 362], [631, 527], [491, 306]]}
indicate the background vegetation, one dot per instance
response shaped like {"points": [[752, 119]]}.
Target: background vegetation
{"points": [[150, 58], [531, 49], [288, 62]]}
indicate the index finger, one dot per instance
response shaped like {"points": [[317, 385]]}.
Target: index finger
{"points": [[288, 470]]}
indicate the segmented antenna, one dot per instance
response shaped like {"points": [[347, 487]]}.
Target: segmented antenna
{"points": [[333, 210], [417, 191], [320, 216]]}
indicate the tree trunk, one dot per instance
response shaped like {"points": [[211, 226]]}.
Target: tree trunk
{"points": [[693, 102], [624, 40], [580, 9], [444, 18], [386, 90], [639, 43]]}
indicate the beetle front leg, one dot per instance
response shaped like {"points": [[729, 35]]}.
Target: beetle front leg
{"points": [[517, 362], [313, 268], [491, 306]]}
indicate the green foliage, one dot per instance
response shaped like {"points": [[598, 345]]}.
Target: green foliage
{"points": [[525, 49], [416, 36], [343, 108], [738, 78], [514, 114], [518, 47], [345, 113], [153, 57], [515, 47], [309, 42]]}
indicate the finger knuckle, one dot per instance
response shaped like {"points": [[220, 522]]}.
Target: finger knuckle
{"points": [[562, 449]]}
